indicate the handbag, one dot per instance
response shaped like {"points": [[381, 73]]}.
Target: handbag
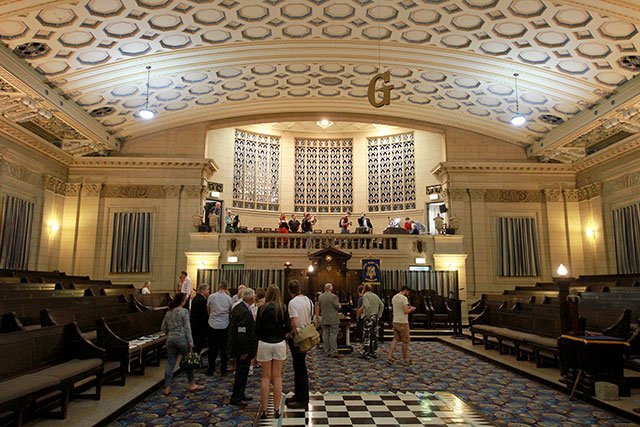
{"points": [[191, 360], [307, 338]]}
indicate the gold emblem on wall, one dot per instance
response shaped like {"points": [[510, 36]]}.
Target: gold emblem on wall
{"points": [[386, 90]]}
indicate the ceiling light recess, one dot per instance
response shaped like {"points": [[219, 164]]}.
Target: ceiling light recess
{"points": [[518, 119], [146, 113]]}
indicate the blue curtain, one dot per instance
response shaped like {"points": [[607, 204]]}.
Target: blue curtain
{"points": [[131, 242], [15, 233], [626, 232], [443, 282], [518, 253]]}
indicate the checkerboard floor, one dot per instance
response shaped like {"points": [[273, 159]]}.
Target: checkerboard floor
{"points": [[379, 409]]}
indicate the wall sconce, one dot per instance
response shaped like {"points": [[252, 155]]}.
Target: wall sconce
{"points": [[287, 266], [201, 266], [310, 269], [590, 233], [232, 259], [421, 260], [452, 267], [53, 226], [562, 270]]}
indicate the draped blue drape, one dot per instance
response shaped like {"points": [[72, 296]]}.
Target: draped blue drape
{"points": [[518, 253], [626, 232], [15, 233], [131, 242], [443, 282]]}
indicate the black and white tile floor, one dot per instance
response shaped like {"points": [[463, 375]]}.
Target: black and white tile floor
{"points": [[378, 409]]}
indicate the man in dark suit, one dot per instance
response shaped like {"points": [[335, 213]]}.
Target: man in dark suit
{"points": [[200, 317], [243, 344]]}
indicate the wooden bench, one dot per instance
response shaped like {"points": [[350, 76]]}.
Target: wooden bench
{"points": [[620, 279], [157, 301], [45, 361], [20, 314], [528, 328], [60, 293], [86, 316], [116, 291], [120, 337], [30, 287]]}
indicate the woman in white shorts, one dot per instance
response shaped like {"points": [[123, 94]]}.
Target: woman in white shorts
{"points": [[272, 326]]}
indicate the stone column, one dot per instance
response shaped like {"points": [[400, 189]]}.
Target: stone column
{"points": [[87, 231], [556, 231], [575, 232], [481, 262], [68, 229]]}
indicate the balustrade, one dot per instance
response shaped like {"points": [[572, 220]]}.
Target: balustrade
{"points": [[267, 241]]}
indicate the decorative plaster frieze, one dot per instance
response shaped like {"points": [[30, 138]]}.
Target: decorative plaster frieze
{"points": [[457, 194], [172, 190], [91, 190], [20, 173], [553, 195], [571, 195], [134, 191], [514, 196], [477, 194], [625, 181], [501, 167], [193, 191], [589, 191], [54, 184], [72, 190]]}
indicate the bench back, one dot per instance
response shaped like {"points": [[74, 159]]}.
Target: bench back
{"points": [[28, 351], [621, 279], [115, 291], [84, 315], [133, 325], [534, 319], [161, 299], [58, 293]]}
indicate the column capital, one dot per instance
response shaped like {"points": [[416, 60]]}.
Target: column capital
{"points": [[55, 185], [91, 190], [552, 195], [572, 195], [477, 194]]}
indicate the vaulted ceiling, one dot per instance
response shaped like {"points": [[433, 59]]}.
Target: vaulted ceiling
{"points": [[452, 63]]}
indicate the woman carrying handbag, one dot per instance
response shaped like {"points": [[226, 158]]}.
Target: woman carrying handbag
{"points": [[179, 341]]}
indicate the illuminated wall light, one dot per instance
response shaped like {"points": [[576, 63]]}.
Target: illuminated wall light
{"points": [[201, 265], [590, 232], [310, 269], [562, 270], [232, 259], [53, 226], [452, 267], [421, 260]]}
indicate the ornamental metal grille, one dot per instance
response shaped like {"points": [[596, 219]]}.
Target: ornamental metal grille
{"points": [[324, 175], [392, 173], [256, 171]]}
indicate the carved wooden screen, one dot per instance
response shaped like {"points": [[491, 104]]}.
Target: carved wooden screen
{"points": [[324, 175], [392, 173], [256, 171]]}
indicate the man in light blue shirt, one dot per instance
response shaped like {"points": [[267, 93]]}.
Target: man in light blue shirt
{"points": [[219, 307]]}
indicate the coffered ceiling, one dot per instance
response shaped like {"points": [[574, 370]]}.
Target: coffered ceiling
{"points": [[451, 61]]}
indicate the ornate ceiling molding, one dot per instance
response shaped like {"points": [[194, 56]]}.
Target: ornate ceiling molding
{"points": [[445, 168]]}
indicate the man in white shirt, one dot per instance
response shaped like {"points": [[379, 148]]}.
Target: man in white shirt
{"points": [[186, 287], [401, 310], [300, 312]]}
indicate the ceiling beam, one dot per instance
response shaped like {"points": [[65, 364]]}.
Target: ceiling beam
{"points": [[625, 97], [27, 80]]}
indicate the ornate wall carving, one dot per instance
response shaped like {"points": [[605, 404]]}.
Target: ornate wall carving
{"points": [[91, 190], [625, 181], [172, 190], [256, 171], [392, 176], [20, 173], [513, 196], [477, 194], [72, 190], [571, 195], [54, 184], [193, 190], [589, 191], [324, 175], [134, 191], [553, 195]]}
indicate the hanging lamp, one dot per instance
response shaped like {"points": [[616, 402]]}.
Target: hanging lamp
{"points": [[146, 113], [518, 119]]}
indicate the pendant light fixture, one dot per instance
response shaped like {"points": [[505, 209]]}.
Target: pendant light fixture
{"points": [[518, 119], [146, 113]]}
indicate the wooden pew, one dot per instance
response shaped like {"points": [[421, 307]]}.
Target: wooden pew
{"points": [[11, 280], [24, 294], [528, 328], [53, 360], [120, 337], [85, 316], [30, 287], [157, 301], [117, 291], [620, 279], [610, 313]]}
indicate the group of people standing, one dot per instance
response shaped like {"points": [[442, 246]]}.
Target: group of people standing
{"points": [[260, 327]]}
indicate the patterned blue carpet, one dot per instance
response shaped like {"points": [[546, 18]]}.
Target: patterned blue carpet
{"points": [[502, 397]]}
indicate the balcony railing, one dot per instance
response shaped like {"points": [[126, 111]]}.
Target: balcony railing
{"points": [[374, 242]]}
